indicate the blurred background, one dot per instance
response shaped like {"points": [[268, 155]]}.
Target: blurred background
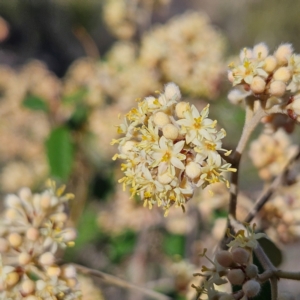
{"points": [[68, 68]]}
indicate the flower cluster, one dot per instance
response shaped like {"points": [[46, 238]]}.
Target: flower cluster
{"points": [[170, 148], [274, 78], [234, 265], [32, 229]]}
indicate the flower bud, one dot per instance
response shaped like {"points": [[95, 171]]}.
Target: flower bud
{"points": [[270, 64], [161, 119], [240, 255], [68, 271], [283, 52], [164, 178], [180, 108], [170, 131], [69, 234], [236, 276], [230, 76], [251, 288], [193, 170], [251, 271], [127, 147], [260, 51], [24, 258], [282, 74], [25, 193], [257, 85], [172, 91], [277, 88], [224, 258], [15, 240], [245, 53], [53, 271], [12, 279], [295, 105], [32, 234], [47, 259], [27, 287]]}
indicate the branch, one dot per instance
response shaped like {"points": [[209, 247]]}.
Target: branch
{"points": [[110, 279]]}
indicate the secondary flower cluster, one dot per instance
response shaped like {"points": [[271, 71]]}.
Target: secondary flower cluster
{"points": [[32, 229], [273, 76], [235, 266], [170, 148]]}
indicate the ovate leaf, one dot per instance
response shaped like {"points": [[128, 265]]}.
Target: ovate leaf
{"points": [[35, 103], [60, 151]]}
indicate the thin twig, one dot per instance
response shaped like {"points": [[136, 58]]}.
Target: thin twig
{"points": [[110, 279]]}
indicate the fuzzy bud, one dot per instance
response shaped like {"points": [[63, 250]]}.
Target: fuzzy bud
{"points": [[12, 279], [270, 64], [295, 105], [53, 271], [15, 240], [180, 108], [230, 76], [172, 91], [251, 288], [24, 258], [224, 258], [251, 271], [283, 53], [245, 53], [164, 178], [170, 131], [282, 74], [32, 234], [193, 170], [69, 234], [47, 259], [27, 287], [161, 119], [236, 276], [127, 147], [68, 271], [257, 85], [240, 255], [277, 88], [260, 51]]}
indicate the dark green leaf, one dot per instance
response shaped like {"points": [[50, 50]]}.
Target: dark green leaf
{"points": [[60, 150], [35, 103], [272, 251]]}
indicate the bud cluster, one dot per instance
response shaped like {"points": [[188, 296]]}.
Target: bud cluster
{"points": [[235, 266], [32, 229], [273, 77], [170, 148]]}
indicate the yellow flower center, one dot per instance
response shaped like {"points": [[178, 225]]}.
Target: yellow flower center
{"points": [[166, 157], [197, 123], [210, 146]]}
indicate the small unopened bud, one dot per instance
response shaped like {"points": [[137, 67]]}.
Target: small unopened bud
{"points": [[27, 287], [127, 147], [72, 282], [285, 296], [282, 74], [224, 258], [47, 259], [161, 119], [24, 258], [245, 53], [230, 76], [260, 51], [164, 178], [270, 64], [32, 234], [59, 217], [240, 255], [193, 170], [12, 279], [69, 234], [283, 53], [69, 271], [251, 271], [45, 201], [258, 85], [236, 276], [277, 88], [170, 131], [251, 288], [15, 240], [295, 105], [53, 271], [172, 91], [25, 193], [180, 108]]}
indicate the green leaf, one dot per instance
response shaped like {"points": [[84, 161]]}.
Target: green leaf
{"points": [[75, 97], [59, 147], [173, 244], [35, 103]]}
